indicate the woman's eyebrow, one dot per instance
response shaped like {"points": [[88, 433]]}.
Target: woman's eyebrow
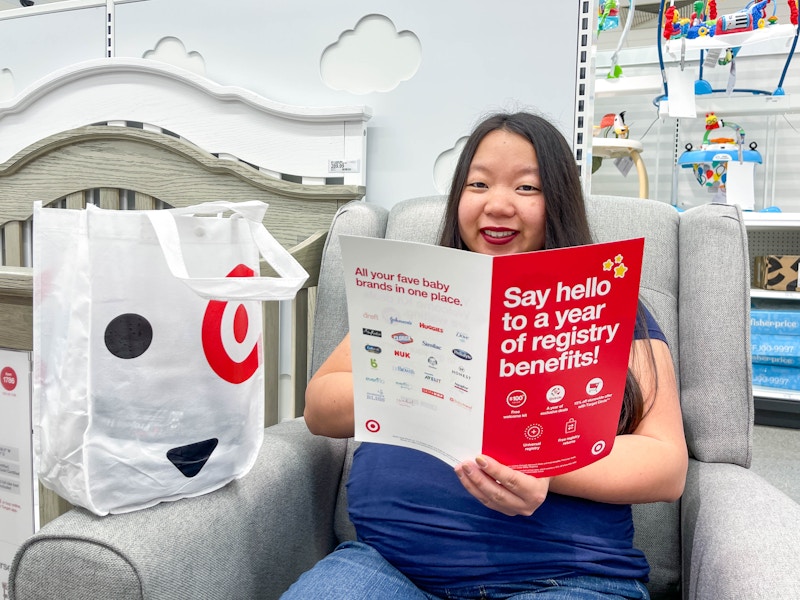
{"points": [[527, 170]]}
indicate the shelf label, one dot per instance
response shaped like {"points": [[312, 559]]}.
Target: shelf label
{"points": [[344, 166]]}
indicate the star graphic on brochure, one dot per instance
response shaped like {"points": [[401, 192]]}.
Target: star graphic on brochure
{"points": [[608, 265], [619, 271], [618, 259]]}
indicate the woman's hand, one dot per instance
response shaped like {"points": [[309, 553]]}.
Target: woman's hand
{"points": [[502, 488]]}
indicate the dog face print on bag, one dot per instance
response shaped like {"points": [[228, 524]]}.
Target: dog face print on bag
{"points": [[219, 340]]}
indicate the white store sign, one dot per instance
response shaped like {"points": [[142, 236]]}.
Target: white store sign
{"points": [[18, 498]]}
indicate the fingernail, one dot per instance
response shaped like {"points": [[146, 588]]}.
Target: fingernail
{"points": [[465, 467], [481, 462]]}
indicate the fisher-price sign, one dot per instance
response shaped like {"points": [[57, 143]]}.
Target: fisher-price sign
{"points": [[521, 357]]}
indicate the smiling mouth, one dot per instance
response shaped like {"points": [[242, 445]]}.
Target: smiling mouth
{"points": [[495, 236]]}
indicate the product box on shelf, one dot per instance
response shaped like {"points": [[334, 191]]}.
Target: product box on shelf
{"points": [[775, 349], [776, 272], [776, 376], [774, 320]]}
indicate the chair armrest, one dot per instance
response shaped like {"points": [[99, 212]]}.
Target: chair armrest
{"points": [[740, 536], [250, 539]]}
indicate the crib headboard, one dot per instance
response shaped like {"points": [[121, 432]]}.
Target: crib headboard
{"points": [[136, 134]]}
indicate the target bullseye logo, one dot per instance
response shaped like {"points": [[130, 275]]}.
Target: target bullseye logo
{"points": [[231, 345], [372, 426], [598, 447]]}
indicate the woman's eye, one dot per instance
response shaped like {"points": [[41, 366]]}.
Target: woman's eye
{"points": [[528, 188], [477, 184]]}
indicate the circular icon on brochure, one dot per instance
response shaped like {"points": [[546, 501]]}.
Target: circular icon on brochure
{"points": [[8, 378], [594, 386], [533, 432], [598, 447], [373, 426], [555, 394], [516, 398]]}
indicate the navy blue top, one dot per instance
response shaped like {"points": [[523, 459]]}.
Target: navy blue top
{"points": [[411, 508]]}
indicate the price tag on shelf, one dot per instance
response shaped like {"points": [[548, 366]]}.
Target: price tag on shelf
{"points": [[739, 188], [681, 93]]}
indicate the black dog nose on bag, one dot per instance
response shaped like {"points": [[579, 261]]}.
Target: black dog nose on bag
{"points": [[190, 459]]}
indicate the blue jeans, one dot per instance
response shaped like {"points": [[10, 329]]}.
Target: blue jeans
{"points": [[355, 571]]}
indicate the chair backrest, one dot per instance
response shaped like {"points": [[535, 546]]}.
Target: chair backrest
{"points": [[695, 280]]}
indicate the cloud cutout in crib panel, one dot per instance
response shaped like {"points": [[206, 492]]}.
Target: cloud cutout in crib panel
{"points": [[6, 84], [172, 51], [372, 57], [445, 166]]}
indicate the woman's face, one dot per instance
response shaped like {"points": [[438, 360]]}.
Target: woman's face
{"points": [[501, 210]]}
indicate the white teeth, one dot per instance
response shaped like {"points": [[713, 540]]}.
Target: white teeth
{"points": [[498, 234]]}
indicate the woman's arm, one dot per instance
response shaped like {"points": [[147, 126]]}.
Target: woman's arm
{"points": [[329, 395], [650, 464]]}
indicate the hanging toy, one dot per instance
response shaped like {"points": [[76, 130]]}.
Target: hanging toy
{"points": [[728, 56], [710, 163], [612, 122], [619, 128], [608, 15], [616, 70], [752, 17], [672, 28]]}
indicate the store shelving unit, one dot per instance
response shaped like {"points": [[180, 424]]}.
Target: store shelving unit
{"points": [[769, 233], [774, 233]]}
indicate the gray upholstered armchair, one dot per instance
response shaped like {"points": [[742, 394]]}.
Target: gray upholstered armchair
{"points": [[731, 536]]}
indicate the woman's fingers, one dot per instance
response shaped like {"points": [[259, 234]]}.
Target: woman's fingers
{"points": [[502, 488]]}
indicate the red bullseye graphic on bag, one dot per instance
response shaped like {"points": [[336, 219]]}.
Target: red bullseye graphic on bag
{"points": [[8, 378], [230, 342], [372, 426]]}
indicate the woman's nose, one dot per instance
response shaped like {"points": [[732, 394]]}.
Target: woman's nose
{"points": [[499, 201]]}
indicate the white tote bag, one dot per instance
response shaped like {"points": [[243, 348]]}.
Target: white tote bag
{"points": [[148, 381]]}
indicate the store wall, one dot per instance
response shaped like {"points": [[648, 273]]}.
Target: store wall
{"points": [[428, 70]]}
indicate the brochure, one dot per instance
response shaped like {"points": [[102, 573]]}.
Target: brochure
{"points": [[521, 357]]}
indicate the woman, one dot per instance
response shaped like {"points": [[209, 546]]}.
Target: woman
{"points": [[483, 530]]}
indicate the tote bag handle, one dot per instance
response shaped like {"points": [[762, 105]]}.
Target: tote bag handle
{"points": [[292, 275]]}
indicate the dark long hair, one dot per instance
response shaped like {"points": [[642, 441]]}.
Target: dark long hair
{"points": [[566, 222]]}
